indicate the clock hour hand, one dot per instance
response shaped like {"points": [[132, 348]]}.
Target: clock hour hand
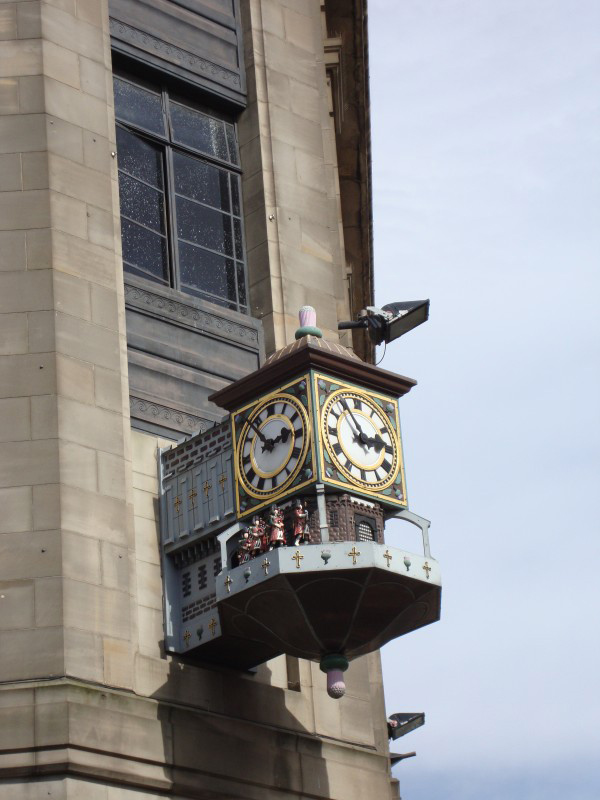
{"points": [[283, 436], [375, 441]]}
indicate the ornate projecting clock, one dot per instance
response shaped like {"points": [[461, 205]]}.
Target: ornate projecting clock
{"points": [[272, 454]]}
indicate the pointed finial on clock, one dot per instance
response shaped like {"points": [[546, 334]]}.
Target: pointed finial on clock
{"points": [[308, 323]]}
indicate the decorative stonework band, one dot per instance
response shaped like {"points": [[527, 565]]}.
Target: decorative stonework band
{"points": [[209, 69], [193, 317], [160, 415]]}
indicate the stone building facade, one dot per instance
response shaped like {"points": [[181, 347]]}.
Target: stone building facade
{"points": [[101, 366]]}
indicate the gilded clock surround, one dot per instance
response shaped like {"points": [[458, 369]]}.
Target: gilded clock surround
{"points": [[387, 459], [250, 498], [391, 489]]}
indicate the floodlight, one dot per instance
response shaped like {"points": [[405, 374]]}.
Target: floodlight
{"points": [[390, 321], [405, 723]]}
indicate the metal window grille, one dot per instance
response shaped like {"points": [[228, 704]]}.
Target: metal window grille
{"points": [[364, 532]]}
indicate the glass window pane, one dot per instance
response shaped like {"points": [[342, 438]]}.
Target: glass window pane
{"points": [[204, 226], [139, 158], [142, 203], [231, 143], [237, 235], [235, 194], [197, 130], [241, 281], [144, 252], [138, 106], [201, 181], [203, 272]]}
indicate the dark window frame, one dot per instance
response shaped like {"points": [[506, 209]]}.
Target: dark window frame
{"points": [[235, 261]]}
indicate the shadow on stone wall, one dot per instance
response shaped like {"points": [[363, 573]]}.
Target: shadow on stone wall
{"points": [[231, 735]]}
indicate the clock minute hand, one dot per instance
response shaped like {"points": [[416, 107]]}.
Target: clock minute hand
{"points": [[267, 443], [345, 405]]}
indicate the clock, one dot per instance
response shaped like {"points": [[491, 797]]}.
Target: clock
{"points": [[359, 432], [272, 446]]}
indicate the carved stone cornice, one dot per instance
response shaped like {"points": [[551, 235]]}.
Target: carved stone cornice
{"points": [[149, 411], [143, 299], [145, 41]]}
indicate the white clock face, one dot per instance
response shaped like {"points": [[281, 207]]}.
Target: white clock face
{"points": [[273, 446], [360, 439]]}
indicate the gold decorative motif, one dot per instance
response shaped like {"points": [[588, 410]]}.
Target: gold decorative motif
{"points": [[177, 504], [207, 487], [265, 565], [186, 637], [427, 569], [192, 498], [353, 554], [297, 558], [223, 481], [212, 625], [228, 583], [388, 557]]}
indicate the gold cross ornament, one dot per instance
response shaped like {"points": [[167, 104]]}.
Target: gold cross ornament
{"points": [[265, 565], [207, 487], [297, 558], [177, 504], [186, 637], [212, 625], [388, 557], [427, 569], [192, 498], [223, 481], [228, 583], [353, 554]]}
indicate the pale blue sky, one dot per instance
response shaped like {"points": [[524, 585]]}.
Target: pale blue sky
{"points": [[486, 178]]}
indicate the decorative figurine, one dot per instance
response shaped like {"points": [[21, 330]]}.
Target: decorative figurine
{"points": [[257, 536], [276, 531], [301, 531], [244, 547]]}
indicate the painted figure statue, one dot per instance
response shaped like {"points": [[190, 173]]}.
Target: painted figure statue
{"points": [[244, 551], [276, 531], [301, 531], [258, 536]]}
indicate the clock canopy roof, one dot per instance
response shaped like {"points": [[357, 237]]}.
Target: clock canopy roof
{"points": [[310, 352]]}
